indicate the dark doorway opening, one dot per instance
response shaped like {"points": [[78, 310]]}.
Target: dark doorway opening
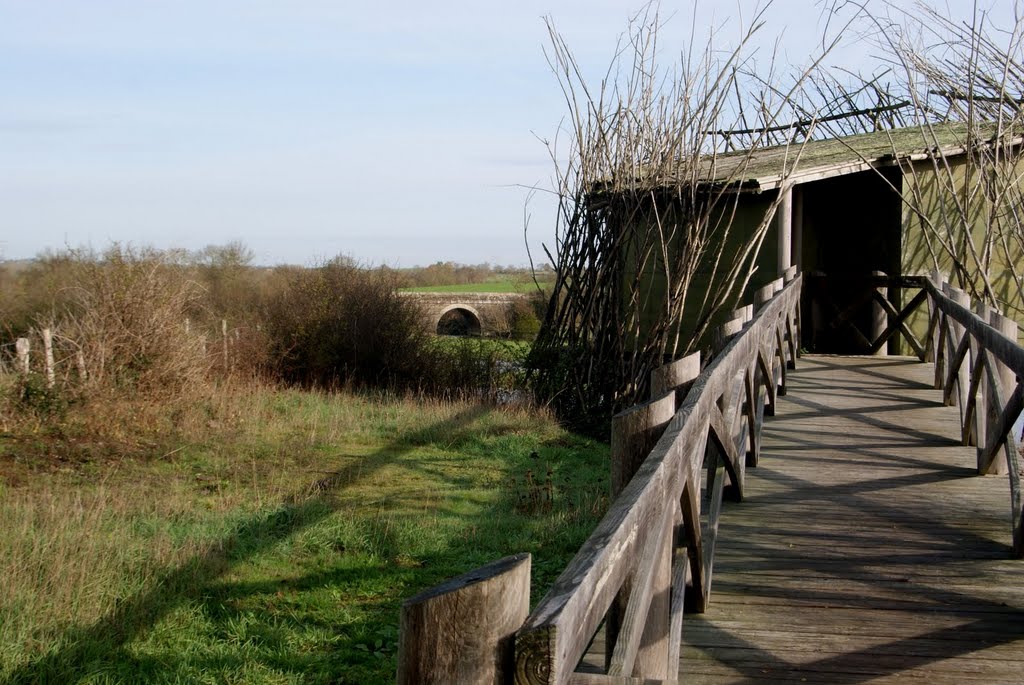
{"points": [[850, 229], [458, 321]]}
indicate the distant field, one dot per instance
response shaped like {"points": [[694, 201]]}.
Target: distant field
{"points": [[492, 287]]}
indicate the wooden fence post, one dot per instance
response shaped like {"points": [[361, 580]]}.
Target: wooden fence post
{"points": [[932, 348], [675, 377], [1007, 380], [963, 377], [634, 434], [879, 318], [978, 433], [224, 336], [48, 356], [463, 630], [23, 346]]}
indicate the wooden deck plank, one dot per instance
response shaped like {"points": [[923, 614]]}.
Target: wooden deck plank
{"points": [[866, 550]]}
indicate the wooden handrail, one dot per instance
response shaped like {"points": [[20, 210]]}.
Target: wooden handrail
{"points": [[890, 320], [980, 367], [655, 517]]}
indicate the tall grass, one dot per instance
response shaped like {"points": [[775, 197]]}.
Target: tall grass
{"points": [[268, 535]]}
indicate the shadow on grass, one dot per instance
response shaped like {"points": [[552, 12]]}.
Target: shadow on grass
{"points": [[98, 650]]}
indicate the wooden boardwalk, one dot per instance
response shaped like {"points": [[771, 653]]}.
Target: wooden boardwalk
{"points": [[867, 549]]}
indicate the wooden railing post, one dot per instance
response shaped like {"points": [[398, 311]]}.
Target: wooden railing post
{"points": [[976, 434], [675, 377], [934, 317], [634, 434], [957, 331], [634, 539], [463, 631], [879, 317], [1007, 380]]}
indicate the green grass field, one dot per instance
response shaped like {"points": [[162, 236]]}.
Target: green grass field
{"points": [[267, 536], [492, 287]]}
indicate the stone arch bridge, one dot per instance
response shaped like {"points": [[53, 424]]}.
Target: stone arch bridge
{"points": [[465, 313]]}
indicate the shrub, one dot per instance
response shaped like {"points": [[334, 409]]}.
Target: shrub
{"points": [[124, 322], [524, 321], [338, 323]]}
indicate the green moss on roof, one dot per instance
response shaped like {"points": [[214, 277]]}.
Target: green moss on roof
{"points": [[765, 167]]}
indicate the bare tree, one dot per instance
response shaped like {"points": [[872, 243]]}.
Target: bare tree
{"points": [[648, 252]]}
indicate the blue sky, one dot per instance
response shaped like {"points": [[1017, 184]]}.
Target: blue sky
{"points": [[397, 132]]}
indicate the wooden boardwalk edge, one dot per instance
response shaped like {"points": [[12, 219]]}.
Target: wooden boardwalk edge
{"points": [[866, 548]]}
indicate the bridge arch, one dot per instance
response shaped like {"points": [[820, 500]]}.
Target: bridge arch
{"points": [[459, 319]]}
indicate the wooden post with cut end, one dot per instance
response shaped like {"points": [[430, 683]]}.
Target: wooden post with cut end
{"points": [[963, 374], [676, 377], [1007, 380], [23, 346], [48, 356], [463, 630], [635, 432]]}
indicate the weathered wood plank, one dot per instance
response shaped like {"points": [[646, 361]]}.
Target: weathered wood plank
{"points": [[555, 636], [462, 631], [676, 377], [865, 548], [634, 434], [634, 621]]}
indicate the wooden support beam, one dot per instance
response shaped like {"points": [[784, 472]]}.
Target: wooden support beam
{"points": [[879, 318], [898, 323], [680, 575], [1004, 375], [951, 392], [715, 484], [999, 431], [767, 378], [958, 331], [556, 635], [635, 432], [780, 353], [750, 395], [973, 426], [694, 543], [721, 436], [652, 579], [784, 224]]}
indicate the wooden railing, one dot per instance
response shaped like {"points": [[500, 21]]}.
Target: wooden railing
{"points": [[652, 555], [864, 311], [655, 542], [675, 460], [980, 368]]}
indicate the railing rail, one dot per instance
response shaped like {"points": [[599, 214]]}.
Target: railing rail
{"points": [[980, 368], [839, 305], [675, 460], [654, 542]]}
